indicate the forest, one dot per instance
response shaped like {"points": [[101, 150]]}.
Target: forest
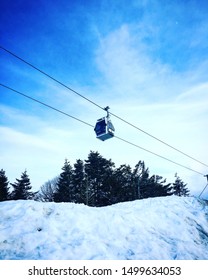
{"points": [[94, 182]]}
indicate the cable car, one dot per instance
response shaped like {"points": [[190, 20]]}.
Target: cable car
{"points": [[104, 128]]}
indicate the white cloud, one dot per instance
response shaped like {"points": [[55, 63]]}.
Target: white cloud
{"points": [[130, 73], [167, 104], [35, 144]]}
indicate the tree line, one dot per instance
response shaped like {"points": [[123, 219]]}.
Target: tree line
{"points": [[95, 182]]}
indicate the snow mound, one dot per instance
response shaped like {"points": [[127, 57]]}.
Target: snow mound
{"points": [[164, 228]]}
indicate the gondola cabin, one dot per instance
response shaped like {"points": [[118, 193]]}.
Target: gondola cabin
{"points": [[104, 129]]}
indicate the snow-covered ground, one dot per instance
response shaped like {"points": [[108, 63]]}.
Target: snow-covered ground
{"points": [[163, 228]]}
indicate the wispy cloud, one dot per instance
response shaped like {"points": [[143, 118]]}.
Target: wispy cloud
{"points": [[169, 104], [147, 63]]}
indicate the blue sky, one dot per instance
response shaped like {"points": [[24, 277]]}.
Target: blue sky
{"points": [[146, 59]]}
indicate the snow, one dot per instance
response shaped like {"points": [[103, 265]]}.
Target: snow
{"points": [[164, 228]]}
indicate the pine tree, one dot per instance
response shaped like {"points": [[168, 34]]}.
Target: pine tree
{"points": [[98, 171], [159, 186], [22, 188], [86, 193], [65, 190], [124, 186], [179, 188], [4, 189], [79, 181]]}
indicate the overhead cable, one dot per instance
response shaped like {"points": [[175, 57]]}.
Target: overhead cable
{"points": [[97, 105], [119, 138], [146, 150], [46, 105], [159, 140], [52, 78]]}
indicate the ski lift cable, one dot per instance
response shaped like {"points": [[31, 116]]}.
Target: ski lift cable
{"points": [[100, 107], [161, 141], [46, 105], [50, 77], [146, 150], [88, 124]]}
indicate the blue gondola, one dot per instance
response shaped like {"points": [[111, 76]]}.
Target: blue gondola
{"points": [[104, 128]]}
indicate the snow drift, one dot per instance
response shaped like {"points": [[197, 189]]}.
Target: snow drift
{"points": [[164, 228]]}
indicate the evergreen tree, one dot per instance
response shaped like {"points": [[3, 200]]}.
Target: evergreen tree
{"points": [[124, 187], [98, 171], [4, 189], [22, 188], [65, 190], [96, 182], [179, 188], [79, 181], [146, 186], [86, 193], [158, 187]]}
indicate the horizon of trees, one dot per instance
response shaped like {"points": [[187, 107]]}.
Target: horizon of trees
{"points": [[95, 182]]}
